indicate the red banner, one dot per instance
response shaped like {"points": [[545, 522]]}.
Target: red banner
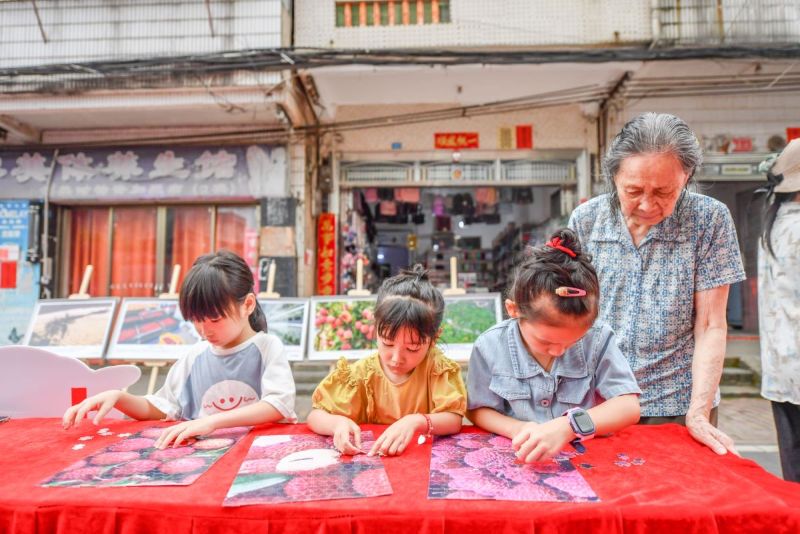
{"points": [[326, 254], [792, 133], [456, 140]]}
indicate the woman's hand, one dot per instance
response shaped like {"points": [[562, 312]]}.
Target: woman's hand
{"points": [[102, 402], [396, 438], [183, 432], [341, 436], [536, 442], [707, 434]]}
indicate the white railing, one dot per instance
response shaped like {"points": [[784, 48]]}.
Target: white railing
{"points": [[727, 21]]}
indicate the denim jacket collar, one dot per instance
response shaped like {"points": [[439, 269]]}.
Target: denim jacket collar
{"points": [[571, 365]]}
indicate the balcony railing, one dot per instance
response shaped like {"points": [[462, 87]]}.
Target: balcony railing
{"points": [[728, 21], [392, 13]]}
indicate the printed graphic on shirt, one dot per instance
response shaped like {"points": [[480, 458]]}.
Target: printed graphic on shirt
{"points": [[226, 396]]}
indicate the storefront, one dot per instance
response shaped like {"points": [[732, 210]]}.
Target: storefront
{"points": [[481, 212], [133, 213]]}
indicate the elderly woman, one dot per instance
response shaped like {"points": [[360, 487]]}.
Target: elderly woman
{"points": [[665, 258]]}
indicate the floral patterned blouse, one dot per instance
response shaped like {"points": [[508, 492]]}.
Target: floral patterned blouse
{"points": [[647, 291], [363, 393], [779, 308]]}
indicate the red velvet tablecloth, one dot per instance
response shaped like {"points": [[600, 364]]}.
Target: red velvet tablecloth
{"points": [[682, 487]]}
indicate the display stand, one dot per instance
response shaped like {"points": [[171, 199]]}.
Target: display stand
{"points": [[172, 292], [454, 289], [83, 290], [359, 291], [156, 365], [270, 293]]}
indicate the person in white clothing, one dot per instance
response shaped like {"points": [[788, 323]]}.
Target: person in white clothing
{"points": [[779, 304], [238, 376]]}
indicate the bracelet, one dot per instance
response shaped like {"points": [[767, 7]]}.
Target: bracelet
{"points": [[429, 431]]}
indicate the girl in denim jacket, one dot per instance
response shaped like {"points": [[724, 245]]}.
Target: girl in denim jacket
{"points": [[549, 375]]}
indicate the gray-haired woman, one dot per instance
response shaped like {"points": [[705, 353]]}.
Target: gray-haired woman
{"points": [[665, 258]]}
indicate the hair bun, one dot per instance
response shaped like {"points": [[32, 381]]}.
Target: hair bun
{"points": [[569, 239], [418, 271]]}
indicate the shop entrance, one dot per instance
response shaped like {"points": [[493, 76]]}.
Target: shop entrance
{"points": [[485, 227]]}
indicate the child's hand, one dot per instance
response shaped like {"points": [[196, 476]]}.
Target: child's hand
{"points": [[396, 438], [341, 437], [183, 432], [102, 402], [538, 442]]}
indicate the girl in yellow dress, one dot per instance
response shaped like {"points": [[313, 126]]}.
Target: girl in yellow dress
{"points": [[408, 383]]}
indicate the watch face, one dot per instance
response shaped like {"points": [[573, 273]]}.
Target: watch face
{"points": [[583, 422]]}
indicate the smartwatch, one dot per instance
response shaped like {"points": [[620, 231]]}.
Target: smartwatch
{"points": [[581, 423]]}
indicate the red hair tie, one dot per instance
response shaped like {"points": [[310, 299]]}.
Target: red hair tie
{"points": [[556, 243]]}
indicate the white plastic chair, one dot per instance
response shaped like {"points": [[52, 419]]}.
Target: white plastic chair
{"points": [[38, 383]]}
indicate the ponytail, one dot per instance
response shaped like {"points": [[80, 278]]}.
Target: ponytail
{"points": [[257, 319]]}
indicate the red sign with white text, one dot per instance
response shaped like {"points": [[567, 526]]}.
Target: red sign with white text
{"points": [[456, 140], [326, 254]]}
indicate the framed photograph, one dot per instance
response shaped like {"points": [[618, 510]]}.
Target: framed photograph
{"points": [[342, 326], [151, 329], [78, 328], [287, 318], [465, 318]]}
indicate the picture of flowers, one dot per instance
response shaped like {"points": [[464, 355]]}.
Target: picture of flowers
{"points": [[286, 318], [151, 329], [483, 466], [78, 328], [134, 462], [465, 318], [294, 468], [342, 327]]}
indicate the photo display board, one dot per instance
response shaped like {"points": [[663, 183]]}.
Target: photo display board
{"points": [[345, 326], [79, 328], [465, 318], [151, 329], [342, 326], [287, 318]]}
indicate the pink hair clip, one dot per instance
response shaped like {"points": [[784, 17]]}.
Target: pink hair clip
{"points": [[565, 291]]}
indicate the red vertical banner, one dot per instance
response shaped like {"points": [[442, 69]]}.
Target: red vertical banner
{"points": [[326, 254], [525, 136]]}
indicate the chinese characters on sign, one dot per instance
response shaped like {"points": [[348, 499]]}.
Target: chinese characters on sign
{"points": [[326, 254], [142, 172], [456, 140]]}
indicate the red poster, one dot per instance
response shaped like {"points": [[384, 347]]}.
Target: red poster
{"points": [[525, 136], [742, 144], [326, 254], [456, 140]]}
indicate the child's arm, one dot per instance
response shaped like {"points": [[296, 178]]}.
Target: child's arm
{"points": [[397, 437], [338, 426], [537, 442], [495, 422], [254, 414], [131, 405]]}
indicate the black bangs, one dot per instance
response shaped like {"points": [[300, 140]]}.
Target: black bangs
{"points": [[205, 294], [394, 313]]}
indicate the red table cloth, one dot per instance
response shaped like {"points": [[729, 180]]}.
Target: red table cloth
{"points": [[682, 487]]}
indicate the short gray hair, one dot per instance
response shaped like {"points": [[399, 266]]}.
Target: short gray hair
{"points": [[651, 133]]}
